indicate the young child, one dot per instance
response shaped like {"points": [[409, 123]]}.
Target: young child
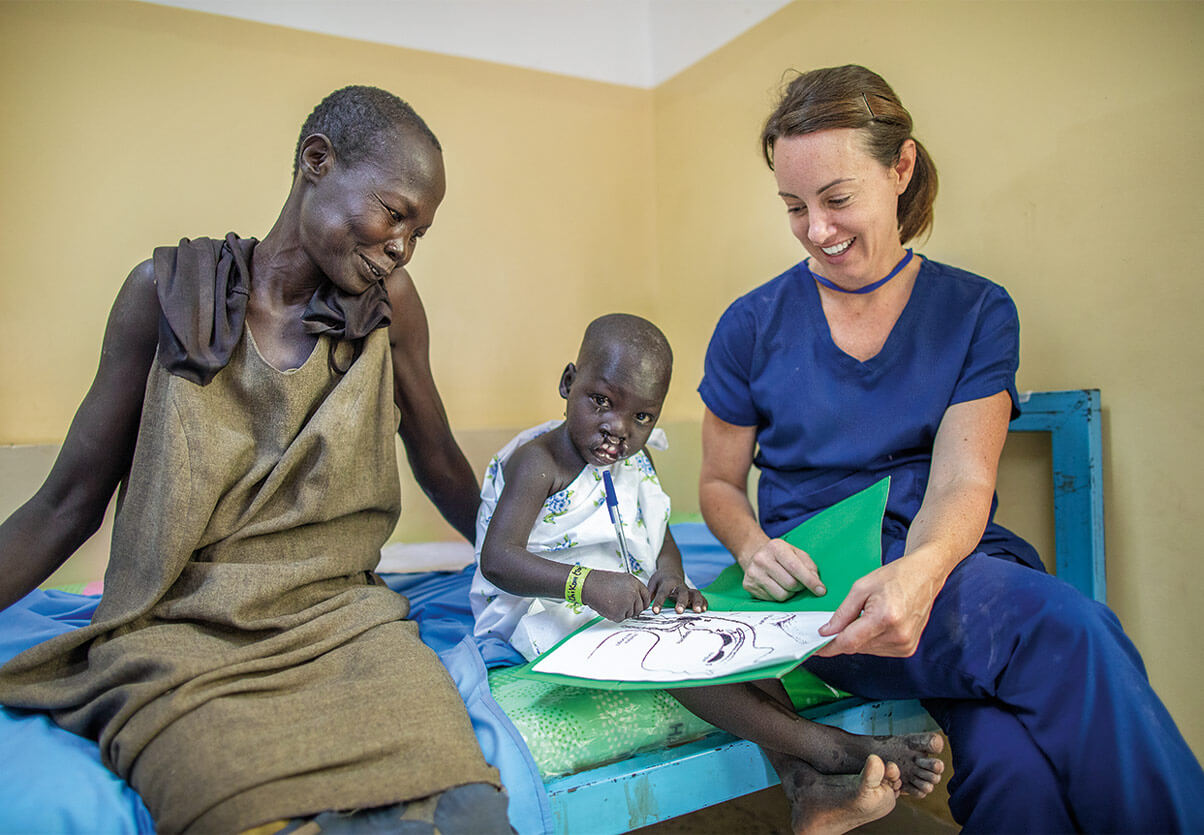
{"points": [[545, 545]]}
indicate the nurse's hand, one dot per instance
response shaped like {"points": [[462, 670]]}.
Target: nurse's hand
{"points": [[885, 613], [777, 569]]}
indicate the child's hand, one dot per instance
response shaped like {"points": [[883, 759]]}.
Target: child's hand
{"points": [[665, 584], [615, 596]]}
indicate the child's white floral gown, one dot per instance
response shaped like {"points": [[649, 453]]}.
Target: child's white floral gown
{"points": [[574, 527]]}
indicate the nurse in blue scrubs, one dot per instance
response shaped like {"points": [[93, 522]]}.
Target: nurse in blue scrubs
{"points": [[867, 359]]}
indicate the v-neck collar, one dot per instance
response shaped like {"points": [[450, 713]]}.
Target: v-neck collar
{"points": [[883, 357]]}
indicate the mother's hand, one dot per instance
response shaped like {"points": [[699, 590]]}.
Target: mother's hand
{"points": [[777, 569], [885, 612]]}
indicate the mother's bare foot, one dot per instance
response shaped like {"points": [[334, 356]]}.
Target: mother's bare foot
{"points": [[829, 804]]}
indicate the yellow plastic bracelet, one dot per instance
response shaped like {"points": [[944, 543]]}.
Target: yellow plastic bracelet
{"points": [[573, 585]]}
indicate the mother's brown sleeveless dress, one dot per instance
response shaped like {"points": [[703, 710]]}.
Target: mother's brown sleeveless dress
{"points": [[241, 667]]}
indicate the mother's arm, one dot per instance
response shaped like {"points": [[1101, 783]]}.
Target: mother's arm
{"points": [[886, 611], [773, 568], [96, 454], [439, 465]]}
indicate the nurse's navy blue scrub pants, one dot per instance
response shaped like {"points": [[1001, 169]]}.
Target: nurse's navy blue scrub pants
{"points": [[1051, 719]]}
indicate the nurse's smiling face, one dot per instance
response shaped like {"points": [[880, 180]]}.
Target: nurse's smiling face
{"points": [[843, 203]]}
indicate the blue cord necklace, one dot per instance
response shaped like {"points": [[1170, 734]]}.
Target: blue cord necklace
{"points": [[869, 288]]}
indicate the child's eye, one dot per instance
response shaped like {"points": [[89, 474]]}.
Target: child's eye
{"points": [[600, 400], [645, 418]]}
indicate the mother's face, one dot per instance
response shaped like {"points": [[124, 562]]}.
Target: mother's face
{"points": [[842, 203], [360, 222]]}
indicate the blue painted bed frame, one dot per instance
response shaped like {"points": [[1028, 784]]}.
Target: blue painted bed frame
{"points": [[655, 786]]}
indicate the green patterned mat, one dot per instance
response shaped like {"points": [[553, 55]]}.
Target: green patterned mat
{"points": [[570, 729]]}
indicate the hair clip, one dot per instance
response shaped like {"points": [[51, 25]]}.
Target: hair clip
{"points": [[868, 108]]}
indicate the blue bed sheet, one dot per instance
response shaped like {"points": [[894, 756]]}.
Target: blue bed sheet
{"points": [[55, 783]]}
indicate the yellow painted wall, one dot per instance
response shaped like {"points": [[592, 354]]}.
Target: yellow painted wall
{"points": [[128, 125], [1068, 139]]}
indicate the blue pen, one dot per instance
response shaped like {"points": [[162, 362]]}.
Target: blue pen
{"points": [[612, 506]]}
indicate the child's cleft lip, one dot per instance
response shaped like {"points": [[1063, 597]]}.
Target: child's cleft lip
{"points": [[609, 451]]}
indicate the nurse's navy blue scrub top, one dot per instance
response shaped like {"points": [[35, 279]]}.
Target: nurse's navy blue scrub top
{"points": [[829, 425]]}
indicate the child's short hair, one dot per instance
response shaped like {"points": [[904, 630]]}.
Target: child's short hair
{"points": [[630, 331]]}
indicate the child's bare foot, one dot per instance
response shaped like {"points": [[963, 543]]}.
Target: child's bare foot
{"points": [[829, 804], [915, 754]]}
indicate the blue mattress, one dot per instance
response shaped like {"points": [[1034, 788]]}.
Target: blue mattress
{"points": [[54, 780]]}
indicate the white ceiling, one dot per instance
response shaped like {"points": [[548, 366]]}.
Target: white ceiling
{"points": [[639, 43]]}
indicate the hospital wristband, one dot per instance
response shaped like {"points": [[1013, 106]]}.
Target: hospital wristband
{"points": [[574, 584]]}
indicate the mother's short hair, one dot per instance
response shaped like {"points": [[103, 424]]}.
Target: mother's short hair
{"points": [[359, 120]]}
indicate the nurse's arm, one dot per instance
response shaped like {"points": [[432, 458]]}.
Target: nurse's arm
{"points": [[886, 611], [773, 569]]}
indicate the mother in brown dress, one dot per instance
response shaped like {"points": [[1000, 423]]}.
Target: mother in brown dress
{"points": [[243, 667]]}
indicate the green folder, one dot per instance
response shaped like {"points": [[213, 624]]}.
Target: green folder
{"points": [[844, 540]]}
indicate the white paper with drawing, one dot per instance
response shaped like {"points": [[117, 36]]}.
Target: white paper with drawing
{"points": [[671, 647]]}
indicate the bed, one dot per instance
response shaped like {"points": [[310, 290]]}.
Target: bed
{"points": [[560, 751]]}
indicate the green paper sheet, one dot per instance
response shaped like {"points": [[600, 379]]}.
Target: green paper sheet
{"points": [[845, 541]]}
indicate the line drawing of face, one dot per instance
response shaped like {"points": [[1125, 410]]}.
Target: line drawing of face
{"points": [[663, 644]]}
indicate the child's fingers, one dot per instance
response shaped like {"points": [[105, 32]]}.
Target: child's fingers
{"points": [[638, 597], [684, 598], [659, 596], [667, 591], [640, 601], [664, 587]]}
